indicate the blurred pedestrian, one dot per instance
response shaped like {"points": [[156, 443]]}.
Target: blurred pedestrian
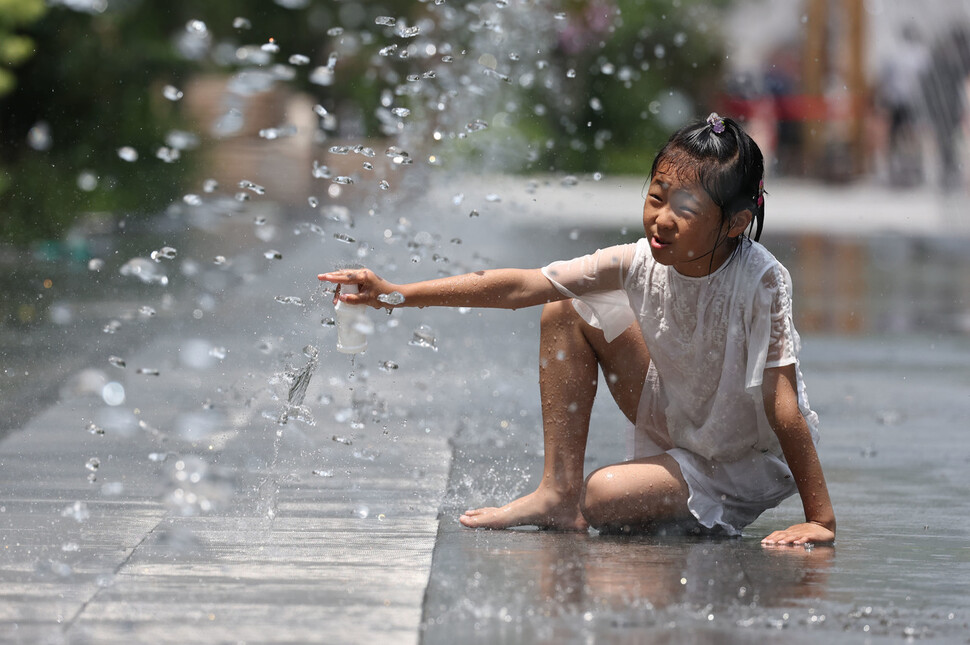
{"points": [[900, 89], [944, 92]]}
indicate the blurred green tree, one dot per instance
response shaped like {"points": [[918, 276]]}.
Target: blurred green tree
{"points": [[635, 70], [16, 48], [622, 74]]}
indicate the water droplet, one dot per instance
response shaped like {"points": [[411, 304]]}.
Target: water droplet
{"points": [[401, 112], [94, 429], [290, 300], [146, 311], [476, 126], [361, 512], [408, 32], [95, 264], [273, 255], [78, 511], [474, 213], [168, 155], [127, 153], [164, 253], [342, 440], [323, 473], [388, 51], [172, 93], [39, 136], [394, 298], [320, 110], [87, 181], [145, 270], [385, 21], [659, 51], [241, 23], [388, 366], [112, 327], [271, 134], [492, 197], [320, 172], [322, 75], [93, 464], [383, 185], [117, 361], [196, 27], [424, 337], [270, 47], [343, 180], [256, 188], [219, 260], [569, 180], [147, 371]]}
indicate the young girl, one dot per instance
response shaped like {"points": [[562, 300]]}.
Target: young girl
{"points": [[692, 326]]}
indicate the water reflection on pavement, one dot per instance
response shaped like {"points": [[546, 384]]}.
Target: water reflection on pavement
{"points": [[621, 589]]}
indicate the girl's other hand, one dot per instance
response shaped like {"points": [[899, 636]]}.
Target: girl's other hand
{"points": [[799, 534], [369, 287]]}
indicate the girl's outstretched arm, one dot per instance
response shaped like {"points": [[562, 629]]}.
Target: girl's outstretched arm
{"points": [[500, 288], [781, 407]]}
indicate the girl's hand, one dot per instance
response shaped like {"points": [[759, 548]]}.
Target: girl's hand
{"points": [[369, 287], [807, 533]]}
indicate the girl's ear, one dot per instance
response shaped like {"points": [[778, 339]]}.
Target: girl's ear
{"points": [[739, 223]]}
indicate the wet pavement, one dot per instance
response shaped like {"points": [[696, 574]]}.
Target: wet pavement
{"points": [[208, 521]]}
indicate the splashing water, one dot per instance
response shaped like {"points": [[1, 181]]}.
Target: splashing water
{"points": [[424, 337], [394, 298], [300, 380]]}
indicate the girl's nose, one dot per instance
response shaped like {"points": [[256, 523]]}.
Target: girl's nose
{"points": [[665, 219]]}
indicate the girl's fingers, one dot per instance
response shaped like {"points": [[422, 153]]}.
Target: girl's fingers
{"points": [[339, 278]]}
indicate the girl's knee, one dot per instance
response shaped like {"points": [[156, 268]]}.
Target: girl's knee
{"points": [[596, 498], [559, 312]]}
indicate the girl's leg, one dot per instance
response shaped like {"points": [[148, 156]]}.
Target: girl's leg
{"points": [[569, 355], [639, 495]]}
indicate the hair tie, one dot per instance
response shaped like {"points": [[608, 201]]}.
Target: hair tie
{"points": [[761, 193], [716, 123]]}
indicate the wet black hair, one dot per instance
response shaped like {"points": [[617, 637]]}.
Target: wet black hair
{"points": [[728, 165]]}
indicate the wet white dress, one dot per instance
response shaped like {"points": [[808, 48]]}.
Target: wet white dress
{"points": [[710, 340]]}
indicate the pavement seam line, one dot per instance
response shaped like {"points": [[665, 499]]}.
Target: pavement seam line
{"points": [[70, 623]]}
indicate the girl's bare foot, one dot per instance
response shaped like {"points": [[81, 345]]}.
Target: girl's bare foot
{"points": [[545, 510]]}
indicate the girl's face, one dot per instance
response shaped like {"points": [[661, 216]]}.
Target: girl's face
{"points": [[683, 225]]}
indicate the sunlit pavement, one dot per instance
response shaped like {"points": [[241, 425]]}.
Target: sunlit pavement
{"points": [[208, 521]]}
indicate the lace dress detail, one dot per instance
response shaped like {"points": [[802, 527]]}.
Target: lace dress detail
{"points": [[710, 340]]}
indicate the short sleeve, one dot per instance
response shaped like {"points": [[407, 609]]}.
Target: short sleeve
{"points": [[595, 282], [772, 339]]}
